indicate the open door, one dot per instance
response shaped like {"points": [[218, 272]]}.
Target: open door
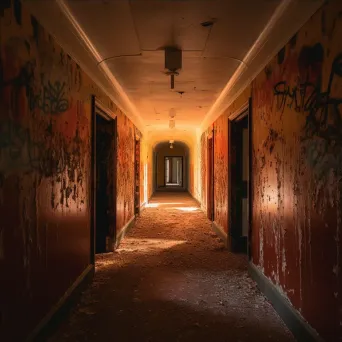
{"points": [[239, 182], [210, 179], [104, 160]]}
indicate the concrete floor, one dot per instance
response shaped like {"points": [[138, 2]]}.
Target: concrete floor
{"points": [[172, 280]]}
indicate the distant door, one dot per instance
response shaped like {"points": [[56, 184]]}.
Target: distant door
{"points": [[173, 171], [239, 182], [210, 179]]}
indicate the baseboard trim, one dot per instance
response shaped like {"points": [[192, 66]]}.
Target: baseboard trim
{"points": [[124, 231], [220, 232], [142, 206], [301, 330], [195, 199], [51, 321]]}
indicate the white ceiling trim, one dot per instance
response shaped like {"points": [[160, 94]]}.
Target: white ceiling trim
{"points": [[132, 113], [288, 11]]}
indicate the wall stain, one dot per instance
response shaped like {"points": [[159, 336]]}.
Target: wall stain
{"points": [[45, 125], [297, 172]]}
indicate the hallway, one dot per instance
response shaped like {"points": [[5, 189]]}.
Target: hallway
{"points": [[119, 118], [172, 280]]}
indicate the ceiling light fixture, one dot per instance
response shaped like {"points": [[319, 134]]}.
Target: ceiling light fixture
{"points": [[173, 62]]}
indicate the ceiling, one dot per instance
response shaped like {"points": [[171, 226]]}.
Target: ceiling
{"points": [[126, 40], [210, 54]]}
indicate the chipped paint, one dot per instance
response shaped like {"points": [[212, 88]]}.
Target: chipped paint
{"points": [[45, 125], [297, 172]]}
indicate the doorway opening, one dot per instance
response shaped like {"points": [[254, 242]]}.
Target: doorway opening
{"points": [[239, 182], [103, 230], [210, 179], [137, 177], [173, 171]]}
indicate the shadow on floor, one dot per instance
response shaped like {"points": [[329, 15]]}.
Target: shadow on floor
{"points": [[172, 280]]}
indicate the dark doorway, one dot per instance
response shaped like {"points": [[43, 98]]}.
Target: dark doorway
{"points": [[104, 173], [239, 182], [137, 177], [173, 171], [210, 180]]}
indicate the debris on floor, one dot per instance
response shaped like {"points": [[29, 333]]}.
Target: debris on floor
{"points": [[172, 280]]}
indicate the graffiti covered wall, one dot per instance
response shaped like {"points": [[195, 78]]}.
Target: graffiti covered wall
{"points": [[297, 171], [45, 124]]}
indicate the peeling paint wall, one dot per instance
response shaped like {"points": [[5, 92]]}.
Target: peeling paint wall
{"points": [[221, 163], [45, 125], [297, 171], [125, 171]]}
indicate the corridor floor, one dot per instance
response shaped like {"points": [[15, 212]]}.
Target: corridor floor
{"points": [[172, 280]]}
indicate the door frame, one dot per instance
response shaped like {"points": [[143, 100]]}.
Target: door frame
{"points": [[98, 108], [211, 177], [182, 157], [240, 114]]}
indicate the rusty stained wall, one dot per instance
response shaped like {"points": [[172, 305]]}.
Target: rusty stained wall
{"points": [[297, 171], [221, 160], [125, 171], [45, 115]]}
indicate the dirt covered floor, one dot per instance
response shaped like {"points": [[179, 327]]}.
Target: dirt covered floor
{"points": [[172, 280]]}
